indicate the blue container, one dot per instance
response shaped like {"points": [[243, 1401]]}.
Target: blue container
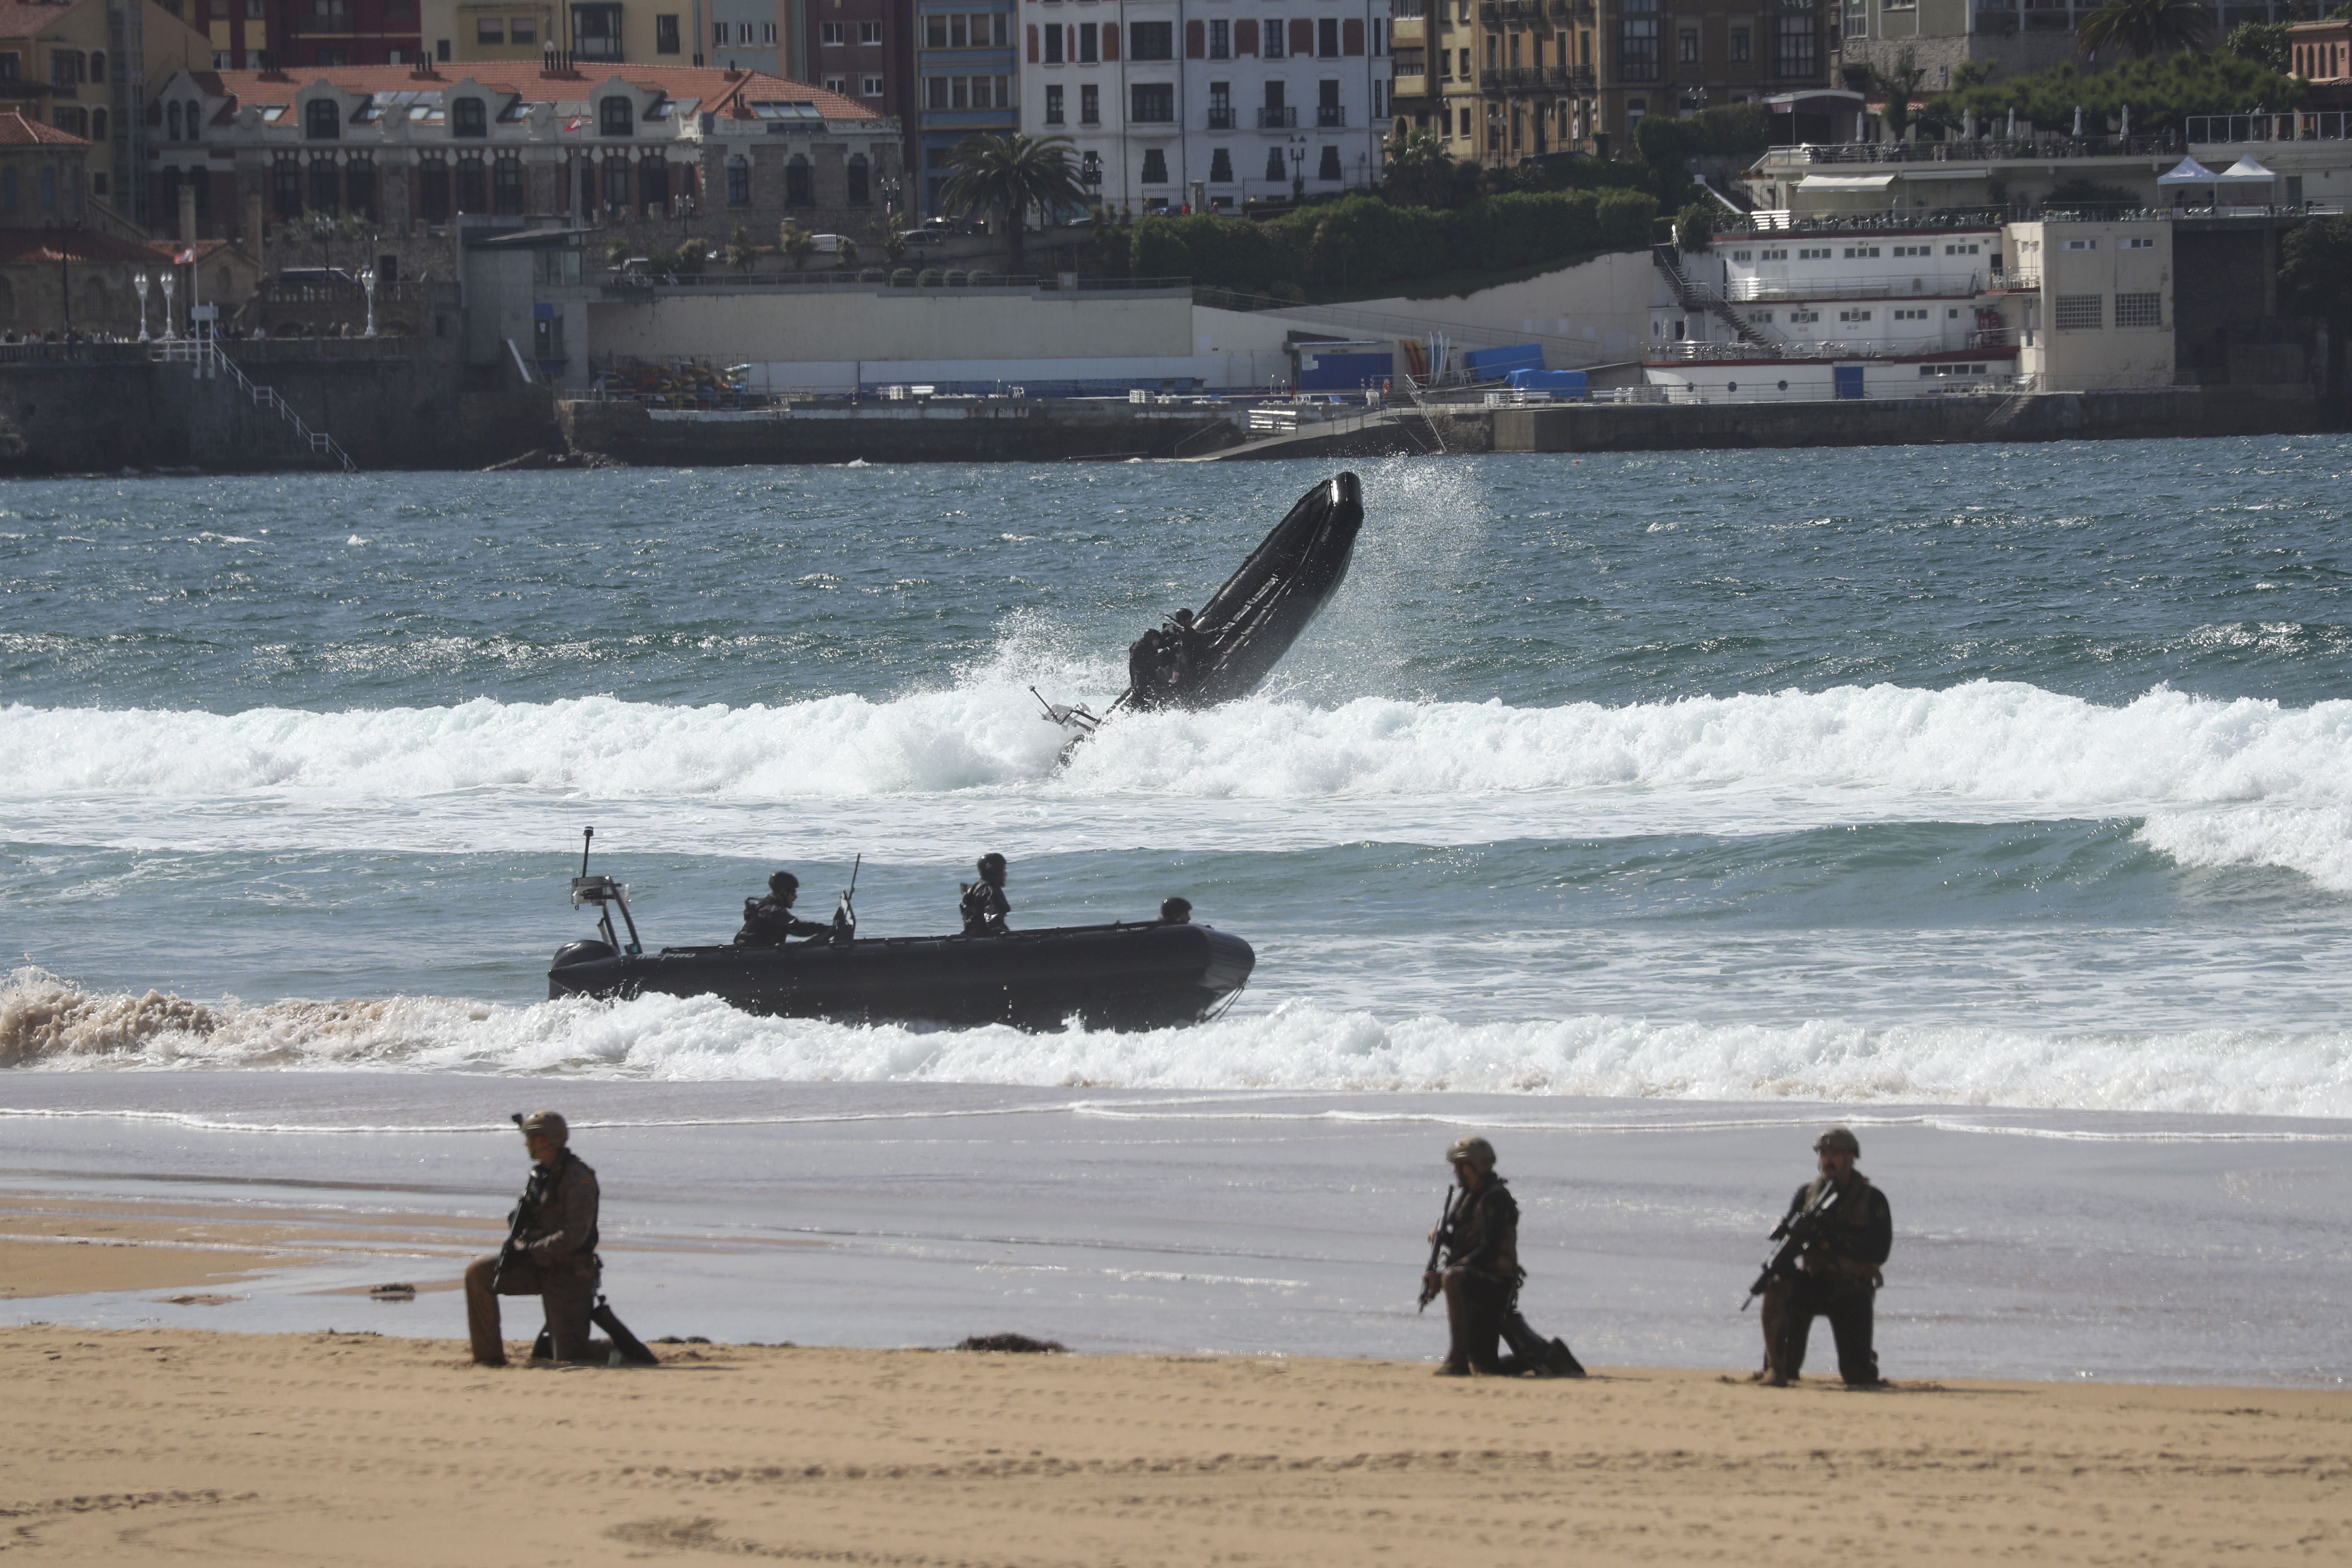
{"points": [[1497, 365]]}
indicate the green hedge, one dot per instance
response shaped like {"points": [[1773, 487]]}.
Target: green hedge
{"points": [[1361, 241]]}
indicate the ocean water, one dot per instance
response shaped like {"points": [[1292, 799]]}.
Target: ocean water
{"points": [[2016, 776], [2008, 781]]}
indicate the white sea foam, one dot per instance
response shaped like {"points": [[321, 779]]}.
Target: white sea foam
{"points": [[2239, 781], [47, 1023]]}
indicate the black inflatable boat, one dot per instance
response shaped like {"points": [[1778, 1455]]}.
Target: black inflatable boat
{"points": [[1108, 977], [1247, 626]]}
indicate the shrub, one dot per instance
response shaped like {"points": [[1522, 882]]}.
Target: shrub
{"points": [[957, 277], [983, 280], [930, 278], [873, 274], [903, 278], [693, 255], [1695, 227]]}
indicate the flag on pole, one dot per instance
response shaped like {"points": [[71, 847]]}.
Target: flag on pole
{"points": [[186, 257]]}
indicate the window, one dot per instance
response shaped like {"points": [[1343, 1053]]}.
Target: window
{"points": [[1153, 102], [860, 180], [1326, 38], [1854, 315], [1637, 49], [1151, 40], [1053, 44], [1761, 317], [613, 117], [2082, 245], [64, 67], [870, 87], [1963, 249], [1903, 315], [468, 118], [1328, 169], [1860, 253], [522, 30], [1796, 49], [1221, 39], [616, 184], [829, 33], [1772, 256], [2139, 310], [321, 120], [1274, 169], [1270, 46], [666, 35], [1413, 61], [1054, 105], [596, 33], [433, 187], [1155, 165], [172, 122], [1220, 166], [739, 181], [768, 34], [2138, 242], [800, 191], [490, 30], [2079, 312], [505, 185], [1914, 250], [1802, 318], [1814, 253], [869, 35], [1687, 47], [840, 84], [326, 185], [1088, 43], [1739, 50], [1089, 105]]}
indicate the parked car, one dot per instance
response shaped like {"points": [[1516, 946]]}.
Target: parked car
{"points": [[918, 239]]}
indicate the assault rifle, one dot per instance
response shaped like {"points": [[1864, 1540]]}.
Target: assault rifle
{"points": [[1795, 1233], [1438, 1239], [844, 914]]}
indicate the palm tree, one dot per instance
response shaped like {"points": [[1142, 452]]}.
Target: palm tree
{"points": [[1011, 175], [2145, 28]]}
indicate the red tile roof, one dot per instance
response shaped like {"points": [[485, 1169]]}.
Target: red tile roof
{"points": [[19, 20], [718, 91], [80, 245], [17, 130]]}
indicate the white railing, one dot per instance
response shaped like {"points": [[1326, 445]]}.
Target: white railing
{"points": [[205, 355], [1982, 340], [1761, 290], [2298, 125]]}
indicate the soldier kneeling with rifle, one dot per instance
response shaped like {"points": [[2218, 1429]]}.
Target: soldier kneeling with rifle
{"points": [[1478, 1240], [1836, 1233], [549, 1253]]}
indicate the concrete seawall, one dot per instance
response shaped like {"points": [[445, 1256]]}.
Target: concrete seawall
{"points": [[941, 430], [2034, 417]]}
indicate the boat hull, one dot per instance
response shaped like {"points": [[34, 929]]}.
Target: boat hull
{"points": [[1104, 977]]}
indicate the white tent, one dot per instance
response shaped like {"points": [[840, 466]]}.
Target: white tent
{"points": [[2188, 172], [2245, 173]]}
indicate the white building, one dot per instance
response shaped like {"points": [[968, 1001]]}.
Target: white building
{"points": [[1207, 103]]}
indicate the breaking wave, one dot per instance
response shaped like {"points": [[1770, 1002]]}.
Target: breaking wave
{"points": [[47, 1023]]}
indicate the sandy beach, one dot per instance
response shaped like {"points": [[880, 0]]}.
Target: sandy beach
{"points": [[358, 1449]]}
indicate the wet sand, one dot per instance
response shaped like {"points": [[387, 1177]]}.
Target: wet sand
{"points": [[152, 1446]]}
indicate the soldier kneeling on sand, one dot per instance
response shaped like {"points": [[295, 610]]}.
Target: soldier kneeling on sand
{"points": [[1480, 1277], [1836, 1273], [550, 1250]]}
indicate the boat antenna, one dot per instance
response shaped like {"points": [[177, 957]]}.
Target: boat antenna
{"points": [[587, 835]]}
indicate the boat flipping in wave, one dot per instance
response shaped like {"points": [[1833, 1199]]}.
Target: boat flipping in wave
{"points": [[1242, 633], [1119, 976]]}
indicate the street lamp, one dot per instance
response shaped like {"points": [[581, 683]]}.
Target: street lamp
{"points": [[367, 281], [169, 280], [889, 185], [1297, 167], [138, 280]]}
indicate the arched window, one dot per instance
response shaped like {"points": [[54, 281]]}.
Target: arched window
{"points": [[861, 188], [739, 181], [98, 65], [326, 185], [800, 191], [170, 122], [468, 117], [505, 185], [195, 122], [615, 117], [321, 120]]}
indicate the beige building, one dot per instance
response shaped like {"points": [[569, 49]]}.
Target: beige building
{"points": [[2091, 304], [633, 32], [63, 63], [1506, 80]]}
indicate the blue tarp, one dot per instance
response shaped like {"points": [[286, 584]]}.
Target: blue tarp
{"points": [[1493, 365], [1568, 380]]}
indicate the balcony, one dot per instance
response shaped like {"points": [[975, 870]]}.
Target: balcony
{"points": [[1490, 10], [1522, 79], [1277, 119], [1490, 80], [1221, 119], [1330, 116]]}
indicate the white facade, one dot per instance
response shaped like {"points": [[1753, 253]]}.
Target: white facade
{"points": [[1867, 293], [1174, 102], [2092, 302]]}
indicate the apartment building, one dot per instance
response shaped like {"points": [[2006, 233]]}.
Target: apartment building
{"points": [[1506, 79], [83, 67], [606, 32], [1205, 104], [745, 35], [967, 78], [864, 50]]}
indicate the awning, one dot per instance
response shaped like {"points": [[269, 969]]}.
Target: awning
{"points": [[2246, 170], [2188, 172], [1830, 98], [1846, 182]]}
